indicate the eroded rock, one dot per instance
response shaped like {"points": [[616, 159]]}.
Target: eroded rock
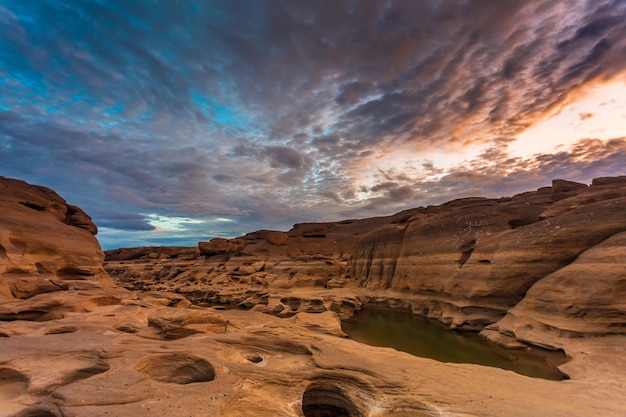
{"points": [[91, 350], [177, 368], [45, 244]]}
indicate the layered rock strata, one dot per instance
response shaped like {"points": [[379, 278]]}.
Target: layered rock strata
{"points": [[88, 348], [466, 263], [45, 244], [474, 259]]}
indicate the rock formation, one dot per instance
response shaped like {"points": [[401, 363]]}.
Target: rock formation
{"points": [[153, 252], [74, 344], [45, 244], [474, 259], [466, 263]]}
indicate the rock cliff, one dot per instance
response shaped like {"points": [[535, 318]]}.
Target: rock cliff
{"points": [[474, 259]]}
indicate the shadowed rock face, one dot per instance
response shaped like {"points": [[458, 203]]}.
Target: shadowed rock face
{"points": [[45, 244]]}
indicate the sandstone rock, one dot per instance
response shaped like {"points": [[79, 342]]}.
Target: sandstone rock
{"points": [[585, 298], [220, 246], [164, 298], [181, 323], [562, 186], [89, 350], [277, 238], [246, 270], [164, 252], [465, 263], [477, 257], [45, 244], [326, 322], [609, 180]]}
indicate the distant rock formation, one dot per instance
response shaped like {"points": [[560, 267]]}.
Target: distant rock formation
{"points": [[153, 252], [45, 244], [466, 263]]}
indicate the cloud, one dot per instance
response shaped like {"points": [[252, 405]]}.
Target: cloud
{"points": [[494, 174], [273, 111], [123, 221], [280, 156]]}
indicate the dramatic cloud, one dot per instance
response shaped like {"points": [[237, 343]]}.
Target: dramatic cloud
{"points": [[171, 122]]}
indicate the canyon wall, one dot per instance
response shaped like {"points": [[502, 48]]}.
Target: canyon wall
{"points": [[467, 263], [474, 259]]}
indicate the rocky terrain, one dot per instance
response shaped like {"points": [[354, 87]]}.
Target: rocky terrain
{"points": [[546, 268], [468, 263]]}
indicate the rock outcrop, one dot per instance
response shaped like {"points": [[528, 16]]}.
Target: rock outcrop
{"points": [[45, 244], [466, 263], [585, 298], [474, 259], [153, 252], [91, 349]]}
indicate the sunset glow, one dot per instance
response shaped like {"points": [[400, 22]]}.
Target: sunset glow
{"points": [[598, 113]]}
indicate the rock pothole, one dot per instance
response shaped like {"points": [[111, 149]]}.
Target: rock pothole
{"points": [[12, 383], [254, 358], [328, 400], [177, 368]]}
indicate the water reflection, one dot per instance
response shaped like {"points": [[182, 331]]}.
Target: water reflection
{"points": [[430, 339]]}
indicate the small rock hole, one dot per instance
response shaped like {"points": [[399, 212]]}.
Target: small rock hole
{"points": [[37, 412], [33, 206], [12, 383], [255, 358]]}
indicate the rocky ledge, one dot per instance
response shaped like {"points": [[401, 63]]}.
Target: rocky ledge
{"points": [[72, 343]]}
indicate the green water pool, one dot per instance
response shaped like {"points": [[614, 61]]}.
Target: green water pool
{"points": [[430, 339]]}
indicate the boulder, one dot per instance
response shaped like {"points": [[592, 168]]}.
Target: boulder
{"points": [[45, 244]]}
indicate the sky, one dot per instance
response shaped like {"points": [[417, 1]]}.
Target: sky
{"points": [[172, 122]]}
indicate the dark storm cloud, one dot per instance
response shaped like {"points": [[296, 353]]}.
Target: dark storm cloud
{"points": [[258, 111]]}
